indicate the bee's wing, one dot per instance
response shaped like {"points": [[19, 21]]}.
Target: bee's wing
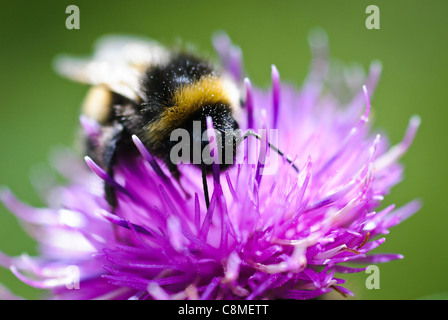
{"points": [[117, 62]]}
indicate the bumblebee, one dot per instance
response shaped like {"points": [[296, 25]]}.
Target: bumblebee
{"points": [[139, 87]]}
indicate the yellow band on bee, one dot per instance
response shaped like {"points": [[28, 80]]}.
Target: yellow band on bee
{"points": [[188, 100]]}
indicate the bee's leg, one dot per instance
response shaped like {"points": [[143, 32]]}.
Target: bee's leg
{"points": [[115, 134], [205, 185], [111, 196]]}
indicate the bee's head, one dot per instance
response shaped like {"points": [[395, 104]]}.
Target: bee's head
{"points": [[225, 130], [190, 143]]}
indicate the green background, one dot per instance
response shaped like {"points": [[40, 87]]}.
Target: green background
{"points": [[39, 110]]}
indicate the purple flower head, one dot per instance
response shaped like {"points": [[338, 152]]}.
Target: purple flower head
{"points": [[270, 231]]}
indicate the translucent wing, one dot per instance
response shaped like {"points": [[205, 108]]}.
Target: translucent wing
{"points": [[117, 62]]}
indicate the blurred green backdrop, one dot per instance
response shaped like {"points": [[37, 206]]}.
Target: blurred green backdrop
{"points": [[39, 110]]}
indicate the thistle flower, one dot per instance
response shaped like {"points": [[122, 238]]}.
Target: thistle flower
{"points": [[277, 235]]}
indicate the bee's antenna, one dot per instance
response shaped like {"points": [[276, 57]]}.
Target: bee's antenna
{"points": [[249, 133]]}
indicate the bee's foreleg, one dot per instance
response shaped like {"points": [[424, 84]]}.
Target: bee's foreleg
{"points": [[114, 134]]}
